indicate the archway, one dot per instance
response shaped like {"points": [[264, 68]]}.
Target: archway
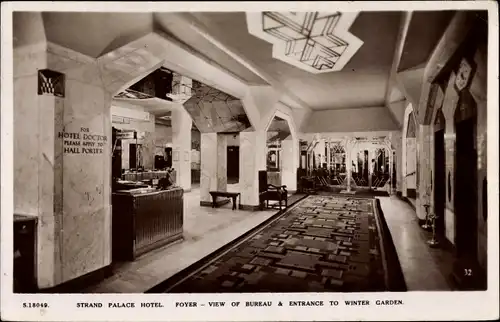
{"points": [[439, 179], [409, 155], [278, 133], [465, 192]]}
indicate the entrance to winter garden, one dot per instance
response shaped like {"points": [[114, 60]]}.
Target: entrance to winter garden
{"points": [[361, 163]]}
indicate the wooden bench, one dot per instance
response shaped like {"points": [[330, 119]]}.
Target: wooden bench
{"points": [[232, 195]]}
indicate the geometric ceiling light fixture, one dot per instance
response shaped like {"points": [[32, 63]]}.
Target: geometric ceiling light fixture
{"points": [[313, 41]]}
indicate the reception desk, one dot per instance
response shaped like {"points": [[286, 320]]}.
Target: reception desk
{"points": [[147, 175], [145, 219]]}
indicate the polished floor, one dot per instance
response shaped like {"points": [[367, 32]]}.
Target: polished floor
{"points": [[207, 229]]}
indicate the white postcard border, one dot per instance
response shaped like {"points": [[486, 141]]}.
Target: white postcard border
{"points": [[416, 305]]}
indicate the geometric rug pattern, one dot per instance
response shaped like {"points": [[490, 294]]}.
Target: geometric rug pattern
{"points": [[322, 244]]}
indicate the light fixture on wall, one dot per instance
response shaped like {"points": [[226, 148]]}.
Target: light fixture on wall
{"points": [[313, 41]]}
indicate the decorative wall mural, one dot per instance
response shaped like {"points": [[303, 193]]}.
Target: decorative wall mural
{"points": [[317, 42], [463, 75], [215, 111]]}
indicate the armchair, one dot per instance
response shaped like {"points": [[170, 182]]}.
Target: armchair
{"points": [[271, 192]]}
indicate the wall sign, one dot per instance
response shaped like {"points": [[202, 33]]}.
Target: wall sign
{"points": [[50, 83], [83, 142]]}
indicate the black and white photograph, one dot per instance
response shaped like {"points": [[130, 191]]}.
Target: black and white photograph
{"points": [[202, 157]]}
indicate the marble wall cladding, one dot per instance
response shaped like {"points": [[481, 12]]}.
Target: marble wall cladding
{"points": [[163, 135], [221, 162], [148, 150], [86, 171], [208, 179], [26, 142], [248, 173], [181, 146], [253, 149], [424, 173], [411, 163], [126, 154], [29, 59]]}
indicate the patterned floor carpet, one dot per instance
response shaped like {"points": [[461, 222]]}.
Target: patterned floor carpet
{"points": [[322, 244]]}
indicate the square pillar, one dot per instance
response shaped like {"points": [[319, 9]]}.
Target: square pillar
{"points": [[289, 150], [181, 146], [252, 160], [62, 160], [213, 166]]}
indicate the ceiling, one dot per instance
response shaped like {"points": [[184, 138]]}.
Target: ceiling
{"points": [[95, 33], [424, 32], [363, 81], [366, 72]]}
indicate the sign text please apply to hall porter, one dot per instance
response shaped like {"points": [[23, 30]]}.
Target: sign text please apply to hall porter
{"points": [[82, 142]]}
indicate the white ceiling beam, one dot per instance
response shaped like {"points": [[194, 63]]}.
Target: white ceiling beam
{"points": [[398, 53], [198, 27]]}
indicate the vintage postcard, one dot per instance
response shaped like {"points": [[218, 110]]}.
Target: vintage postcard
{"points": [[253, 161]]}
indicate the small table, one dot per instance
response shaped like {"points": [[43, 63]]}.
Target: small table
{"points": [[232, 195]]}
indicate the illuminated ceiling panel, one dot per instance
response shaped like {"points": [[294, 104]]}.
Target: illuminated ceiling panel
{"points": [[215, 111], [313, 41]]}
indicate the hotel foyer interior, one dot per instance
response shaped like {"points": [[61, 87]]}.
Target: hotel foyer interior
{"points": [[209, 152]]}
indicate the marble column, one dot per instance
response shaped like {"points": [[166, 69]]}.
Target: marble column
{"points": [[62, 157], [213, 166], [181, 146], [289, 165], [252, 160]]}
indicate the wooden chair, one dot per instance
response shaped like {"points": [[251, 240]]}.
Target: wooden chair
{"points": [[271, 192]]}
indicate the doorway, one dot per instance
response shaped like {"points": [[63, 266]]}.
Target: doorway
{"points": [[168, 157], [116, 169], [439, 181], [466, 189], [132, 156], [233, 164]]}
